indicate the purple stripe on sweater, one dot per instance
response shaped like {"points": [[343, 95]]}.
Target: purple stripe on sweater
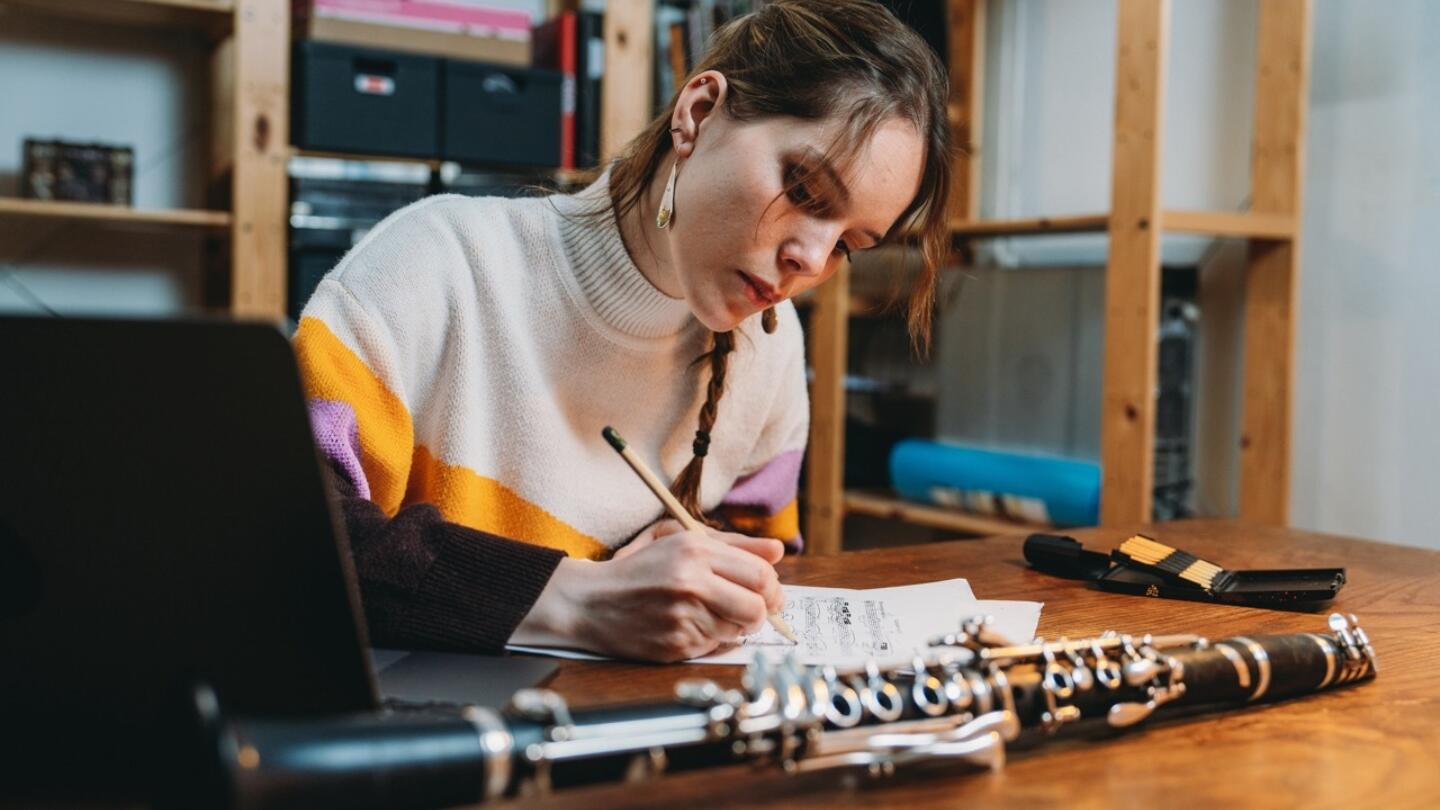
{"points": [[337, 434], [771, 487]]}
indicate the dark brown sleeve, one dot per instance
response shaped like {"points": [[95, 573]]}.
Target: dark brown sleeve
{"points": [[429, 584]]}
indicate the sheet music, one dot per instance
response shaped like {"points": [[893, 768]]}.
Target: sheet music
{"points": [[845, 626]]}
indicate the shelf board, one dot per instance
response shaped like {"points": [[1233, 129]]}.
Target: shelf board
{"points": [[1037, 226], [1233, 224], [860, 305], [886, 505], [433, 163], [118, 215], [564, 177], [213, 17], [571, 177], [1241, 224]]}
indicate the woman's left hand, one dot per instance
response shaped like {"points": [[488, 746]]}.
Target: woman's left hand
{"points": [[766, 548]]}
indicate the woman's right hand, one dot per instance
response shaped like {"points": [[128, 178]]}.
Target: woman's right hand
{"points": [[667, 600]]}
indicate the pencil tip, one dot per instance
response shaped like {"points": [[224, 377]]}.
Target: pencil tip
{"points": [[613, 437]]}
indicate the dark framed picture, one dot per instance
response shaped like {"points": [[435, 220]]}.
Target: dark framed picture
{"points": [[78, 172]]}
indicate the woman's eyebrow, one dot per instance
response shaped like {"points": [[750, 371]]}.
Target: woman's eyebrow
{"points": [[823, 165]]}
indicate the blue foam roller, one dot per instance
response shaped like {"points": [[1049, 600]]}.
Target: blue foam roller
{"points": [[1038, 489]]}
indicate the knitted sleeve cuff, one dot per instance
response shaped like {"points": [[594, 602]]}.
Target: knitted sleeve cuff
{"points": [[476, 591]]}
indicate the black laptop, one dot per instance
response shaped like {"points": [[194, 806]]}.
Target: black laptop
{"points": [[164, 521]]}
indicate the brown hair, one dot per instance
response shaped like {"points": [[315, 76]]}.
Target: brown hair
{"points": [[843, 60]]}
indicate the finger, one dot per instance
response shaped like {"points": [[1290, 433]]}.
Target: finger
{"points": [[750, 572], [642, 541], [665, 528], [660, 528], [728, 633], [766, 548], [732, 603], [705, 633], [716, 628]]}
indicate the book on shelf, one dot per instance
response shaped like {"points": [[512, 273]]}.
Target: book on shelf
{"points": [[574, 43], [469, 31], [556, 47], [589, 68], [476, 19]]}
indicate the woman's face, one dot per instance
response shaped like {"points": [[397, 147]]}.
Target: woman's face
{"points": [[740, 242]]}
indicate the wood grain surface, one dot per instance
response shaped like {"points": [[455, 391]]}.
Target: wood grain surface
{"points": [[1368, 745]]}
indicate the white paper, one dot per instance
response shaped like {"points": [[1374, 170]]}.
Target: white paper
{"points": [[846, 626]]}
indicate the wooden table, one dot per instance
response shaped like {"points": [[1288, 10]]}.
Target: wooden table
{"points": [[1370, 745]]}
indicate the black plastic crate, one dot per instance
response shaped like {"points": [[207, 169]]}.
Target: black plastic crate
{"points": [[501, 115], [365, 101]]}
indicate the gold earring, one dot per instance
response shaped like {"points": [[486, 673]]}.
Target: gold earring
{"points": [[667, 201]]}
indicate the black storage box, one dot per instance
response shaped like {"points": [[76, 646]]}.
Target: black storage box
{"points": [[365, 101], [501, 115], [330, 215]]}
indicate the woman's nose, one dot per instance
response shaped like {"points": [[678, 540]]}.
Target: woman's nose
{"points": [[806, 255]]}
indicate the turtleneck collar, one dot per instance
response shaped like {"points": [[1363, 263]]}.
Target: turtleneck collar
{"points": [[612, 284]]}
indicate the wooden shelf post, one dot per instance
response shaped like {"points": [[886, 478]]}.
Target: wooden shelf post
{"points": [[625, 105], [1132, 276], [966, 45], [259, 137], [825, 456], [1276, 171]]}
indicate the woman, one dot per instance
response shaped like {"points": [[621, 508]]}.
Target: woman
{"points": [[463, 358]]}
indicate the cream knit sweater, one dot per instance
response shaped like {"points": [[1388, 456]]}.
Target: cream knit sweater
{"points": [[468, 352]]}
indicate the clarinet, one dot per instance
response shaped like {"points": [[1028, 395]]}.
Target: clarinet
{"points": [[962, 700]]}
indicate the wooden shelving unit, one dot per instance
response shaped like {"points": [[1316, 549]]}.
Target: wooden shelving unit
{"points": [[432, 163], [116, 215], [1134, 226], [1236, 224], [212, 17], [965, 229], [886, 505], [625, 103], [250, 130]]}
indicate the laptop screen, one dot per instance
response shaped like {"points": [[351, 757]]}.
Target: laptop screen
{"points": [[163, 522]]}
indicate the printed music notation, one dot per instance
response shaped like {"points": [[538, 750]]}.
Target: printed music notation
{"points": [[846, 626]]}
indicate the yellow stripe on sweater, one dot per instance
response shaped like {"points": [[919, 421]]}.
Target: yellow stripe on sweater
{"points": [[387, 438], [470, 499], [401, 473], [783, 525]]}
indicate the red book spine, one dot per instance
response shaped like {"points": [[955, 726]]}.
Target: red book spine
{"points": [[568, 43]]}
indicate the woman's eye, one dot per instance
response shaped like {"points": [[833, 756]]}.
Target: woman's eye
{"points": [[800, 193], [842, 249], [801, 196]]}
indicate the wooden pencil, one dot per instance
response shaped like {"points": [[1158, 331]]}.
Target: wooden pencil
{"points": [[676, 511]]}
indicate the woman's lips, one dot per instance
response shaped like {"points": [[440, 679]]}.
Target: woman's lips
{"points": [[760, 294]]}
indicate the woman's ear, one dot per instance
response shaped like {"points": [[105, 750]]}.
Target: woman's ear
{"points": [[699, 99]]}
